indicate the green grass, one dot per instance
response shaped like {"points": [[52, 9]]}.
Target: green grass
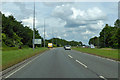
{"points": [[11, 57], [108, 53], [9, 48]]}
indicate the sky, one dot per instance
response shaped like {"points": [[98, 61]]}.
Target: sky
{"points": [[77, 21]]}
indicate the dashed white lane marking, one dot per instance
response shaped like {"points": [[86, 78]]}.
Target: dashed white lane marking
{"points": [[102, 77], [81, 63], [70, 56], [22, 67]]}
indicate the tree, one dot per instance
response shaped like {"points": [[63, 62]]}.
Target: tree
{"points": [[109, 36], [15, 34], [94, 41], [117, 23]]}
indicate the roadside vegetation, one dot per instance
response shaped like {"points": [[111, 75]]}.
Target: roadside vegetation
{"points": [[109, 37], [103, 52], [14, 56], [107, 44]]}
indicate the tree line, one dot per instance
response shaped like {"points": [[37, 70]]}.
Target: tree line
{"points": [[62, 42], [109, 36], [15, 34]]}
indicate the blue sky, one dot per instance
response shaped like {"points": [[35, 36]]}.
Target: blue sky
{"points": [[67, 20]]}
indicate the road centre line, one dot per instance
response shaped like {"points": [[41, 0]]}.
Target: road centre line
{"points": [[70, 56], [81, 63], [103, 77]]}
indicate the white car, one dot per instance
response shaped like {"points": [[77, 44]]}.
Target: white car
{"points": [[67, 47]]}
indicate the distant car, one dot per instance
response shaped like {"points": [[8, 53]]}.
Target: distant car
{"points": [[67, 47]]}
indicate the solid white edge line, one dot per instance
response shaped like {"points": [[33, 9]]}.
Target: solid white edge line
{"points": [[81, 63], [22, 67]]}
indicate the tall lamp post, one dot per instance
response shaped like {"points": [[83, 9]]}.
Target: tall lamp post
{"points": [[44, 32], [34, 26]]}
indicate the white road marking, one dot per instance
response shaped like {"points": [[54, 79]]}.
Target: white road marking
{"points": [[22, 67], [102, 77], [81, 63], [70, 56]]}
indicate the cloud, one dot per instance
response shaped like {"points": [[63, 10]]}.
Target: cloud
{"points": [[46, 34], [85, 37], [58, 37], [87, 32], [99, 25], [62, 11], [54, 22], [7, 13], [76, 17], [53, 4], [29, 22], [25, 12], [79, 24], [119, 10], [65, 35]]}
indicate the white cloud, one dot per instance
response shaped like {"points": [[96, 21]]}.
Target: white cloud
{"points": [[86, 23], [87, 32], [54, 22], [75, 17], [85, 37], [99, 25], [29, 22], [93, 23], [82, 27], [7, 13], [65, 35], [62, 11], [95, 14], [46, 34], [76, 13], [58, 37]]}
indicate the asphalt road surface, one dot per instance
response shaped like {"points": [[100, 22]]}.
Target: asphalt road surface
{"points": [[60, 63]]}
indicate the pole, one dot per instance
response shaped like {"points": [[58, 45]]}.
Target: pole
{"points": [[98, 41], [52, 36], [104, 38], [34, 26], [56, 39], [44, 32]]}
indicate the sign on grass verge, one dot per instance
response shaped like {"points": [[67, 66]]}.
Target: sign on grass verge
{"points": [[37, 41]]}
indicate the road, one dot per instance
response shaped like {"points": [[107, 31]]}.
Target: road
{"points": [[60, 63]]}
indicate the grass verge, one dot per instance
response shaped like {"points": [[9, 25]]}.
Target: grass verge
{"points": [[12, 57], [107, 53]]}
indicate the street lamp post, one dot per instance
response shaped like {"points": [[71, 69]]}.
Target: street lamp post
{"points": [[34, 26], [44, 32], [56, 39]]}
